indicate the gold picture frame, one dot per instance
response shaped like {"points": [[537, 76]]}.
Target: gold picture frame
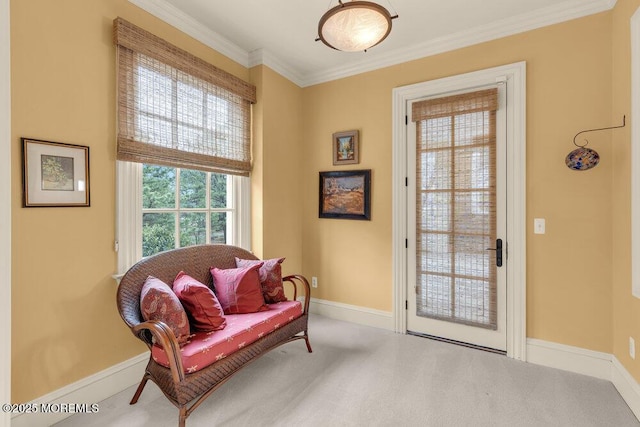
{"points": [[54, 174], [346, 148]]}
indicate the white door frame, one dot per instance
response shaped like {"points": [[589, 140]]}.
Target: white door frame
{"points": [[514, 76], [5, 209]]}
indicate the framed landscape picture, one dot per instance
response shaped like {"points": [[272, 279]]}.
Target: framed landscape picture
{"points": [[346, 147], [345, 194], [54, 174]]}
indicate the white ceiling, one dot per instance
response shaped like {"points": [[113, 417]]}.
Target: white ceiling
{"points": [[282, 33]]}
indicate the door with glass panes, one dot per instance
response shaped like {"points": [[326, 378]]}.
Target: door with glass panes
{"points": [[457, 207]]}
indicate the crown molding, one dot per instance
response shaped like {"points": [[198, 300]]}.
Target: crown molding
{"points": [[265, 57], [188, 25], [564, 11], [557, 13]]}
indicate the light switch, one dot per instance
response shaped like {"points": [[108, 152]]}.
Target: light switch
{"points": [[538, 226]]}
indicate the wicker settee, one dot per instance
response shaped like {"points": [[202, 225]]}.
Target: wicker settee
{"points": [[188, 390]]}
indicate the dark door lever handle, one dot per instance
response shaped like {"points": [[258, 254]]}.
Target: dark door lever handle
{"points": [[498, 250]]}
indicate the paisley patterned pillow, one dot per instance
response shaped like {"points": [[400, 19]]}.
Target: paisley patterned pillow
{"points": [[158, 302], [270, 278]]}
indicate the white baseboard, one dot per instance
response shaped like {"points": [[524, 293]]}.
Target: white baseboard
{"points": [[89, 390], [353, 313], [587, 362], [626, 385], [568, 358]]}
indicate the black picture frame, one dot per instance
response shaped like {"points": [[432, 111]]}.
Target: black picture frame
{"points": [[345, 194]]}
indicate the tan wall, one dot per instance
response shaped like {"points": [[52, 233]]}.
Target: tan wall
{"points": [[277, 189], [65, 325], [568, 89], [63, 87], [626, 308]]}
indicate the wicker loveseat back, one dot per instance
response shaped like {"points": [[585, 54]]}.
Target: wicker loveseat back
{"points": [[195, 260]]}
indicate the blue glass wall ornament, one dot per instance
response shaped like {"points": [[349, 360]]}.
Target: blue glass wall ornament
{"points": [[583, 158]]}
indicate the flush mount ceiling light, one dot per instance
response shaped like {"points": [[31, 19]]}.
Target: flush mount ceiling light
{"points": [[354, 26]]}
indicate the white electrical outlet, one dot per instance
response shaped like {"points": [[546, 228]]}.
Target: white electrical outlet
{"points": [[314, 282], [632, 347], [539, 226]]}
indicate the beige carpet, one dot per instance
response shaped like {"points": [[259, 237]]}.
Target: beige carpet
{"points": [[361, 376]]}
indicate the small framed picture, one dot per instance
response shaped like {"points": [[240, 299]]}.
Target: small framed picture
{"points": [[54, 174], [345, 148], [345, 194]]}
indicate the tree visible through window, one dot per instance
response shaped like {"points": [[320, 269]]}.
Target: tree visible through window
{"points": [[182, 207]]}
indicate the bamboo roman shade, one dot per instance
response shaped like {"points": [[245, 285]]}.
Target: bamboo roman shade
{"points": [[456, 208], [175, 109], [484, 100]]}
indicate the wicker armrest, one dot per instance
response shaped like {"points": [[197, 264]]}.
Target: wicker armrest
{"points": [[297, 280], [165, 337]]}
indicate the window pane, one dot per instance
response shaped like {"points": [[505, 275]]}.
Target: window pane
{"points": [[154, 130], [472, 128], [218, 190], [153, 92], [191, 139], [218, 227], [434, 253], [435, 133], [434, 297], [193, 228], [217, 114], [472, 300], [436, 212], [158, 187], [193, 189], [158, 232], [435, 170], [190, 108]]}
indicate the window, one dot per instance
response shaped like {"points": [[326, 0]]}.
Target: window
{"points": [[182, 207], [183, 149], [456, 205], [161, 208]]}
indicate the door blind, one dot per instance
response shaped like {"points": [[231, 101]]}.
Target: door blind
{"points": [[456, 208]]}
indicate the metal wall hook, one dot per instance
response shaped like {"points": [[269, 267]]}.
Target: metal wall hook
{"points": [[624, 122]]}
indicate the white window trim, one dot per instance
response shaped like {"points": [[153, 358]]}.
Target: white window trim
{"points": [[515, 75], [128, 242], [635, 154]]}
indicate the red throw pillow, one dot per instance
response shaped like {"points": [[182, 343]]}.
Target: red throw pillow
{"points": [[158, 302], [238, 289], [201, 304], [270, 278]]}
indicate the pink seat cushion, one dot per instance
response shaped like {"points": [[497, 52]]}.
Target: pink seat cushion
{"points": [[199, 301], [205, 348]]}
